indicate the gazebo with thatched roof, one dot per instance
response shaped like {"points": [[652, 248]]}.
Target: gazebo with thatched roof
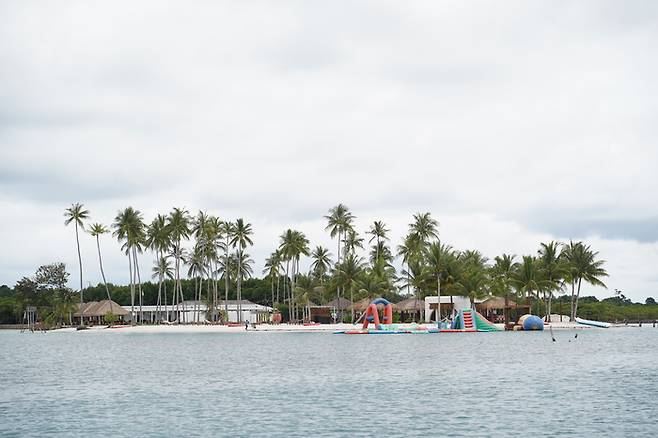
{"points": [[409, 308], [494, 308], [95, 311]]}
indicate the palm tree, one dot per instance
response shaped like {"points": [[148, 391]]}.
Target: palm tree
{"points": [[582, 264], [321, 262], [425, 227], [378, 232], [241, 238], [178, 223], [349, 272], [380, 251], [527, 278], [97, 230], [352, 241], [410, 250], [553, 270], [293, 245], [162, 271], [271, 269], [502, 272], [196, 270], [226, 231], [438, 257], [339, 220], [416, 276], [77, 214], [159, 241], [128, 228], [472, 284]]}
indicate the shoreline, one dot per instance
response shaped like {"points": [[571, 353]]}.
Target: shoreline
{"points": [[270, 328]]}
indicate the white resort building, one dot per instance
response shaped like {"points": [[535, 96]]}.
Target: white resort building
{"points": [[197, 312]]}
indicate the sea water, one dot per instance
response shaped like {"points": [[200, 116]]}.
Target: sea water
{"points": [[109, 383]]}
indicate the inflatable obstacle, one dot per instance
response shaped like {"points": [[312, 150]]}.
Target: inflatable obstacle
{"points": [[468, 320], [384, 325], [531, 323]]}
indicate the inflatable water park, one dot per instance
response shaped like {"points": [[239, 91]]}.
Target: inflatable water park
{"points": [[464, 321], [378, 320]]}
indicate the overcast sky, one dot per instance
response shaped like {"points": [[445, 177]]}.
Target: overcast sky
{"points": [[511, 122]]}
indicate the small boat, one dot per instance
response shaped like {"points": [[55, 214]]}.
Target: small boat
{"points": [[593, 323]]}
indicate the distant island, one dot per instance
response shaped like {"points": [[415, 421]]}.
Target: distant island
{"points": [[203, 258]]}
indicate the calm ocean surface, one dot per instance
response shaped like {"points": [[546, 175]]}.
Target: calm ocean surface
{"points": [[604, 383]]}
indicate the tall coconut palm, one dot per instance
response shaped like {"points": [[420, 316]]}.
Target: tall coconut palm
{"points": [[527, 278], [378, 232], [352, 241], [97, 230], [241, 239], [215, 248], [472, 283], [178, 223], [128, 228], [382, 252], [438, 258], [416, 276], [339, 221], [582, 264], [501, 275], [293, 245], [411, 251], [226, 231], [163, 271], [349, 272], [77, 214], [321, 262], [553, 269], [272, 270], [196, 269], [425, 227], [159, 241]]}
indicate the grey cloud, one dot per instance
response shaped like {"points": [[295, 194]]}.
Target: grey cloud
{"points": [[568, 225]]}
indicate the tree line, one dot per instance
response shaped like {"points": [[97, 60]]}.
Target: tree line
{"points": [[202, 257]]}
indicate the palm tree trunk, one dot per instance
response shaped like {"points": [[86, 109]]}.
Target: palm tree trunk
{"points": [[77, 240], [575, 308], [132, 290], [352, 300], [286, 281], [438, 302], [506, 310], [100, 262], [240, 284], [139, 285], [572, 317]]}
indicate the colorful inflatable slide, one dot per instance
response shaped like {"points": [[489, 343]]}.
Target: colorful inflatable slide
{"points": [[466, 321]]}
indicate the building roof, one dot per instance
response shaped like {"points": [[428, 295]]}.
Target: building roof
{"points": [[340, 304], [497, 303], [100, 308], [410, 305]]}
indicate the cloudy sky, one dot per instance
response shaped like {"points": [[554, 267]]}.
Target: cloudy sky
{"points": [[512, 122]]}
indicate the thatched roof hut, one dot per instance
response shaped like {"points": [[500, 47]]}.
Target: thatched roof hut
{"points": [[496, 303], [409, 305], [340, 304], [100, 308], [361, 305]]}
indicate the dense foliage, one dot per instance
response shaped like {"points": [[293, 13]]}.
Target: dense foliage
{"points": [[205, 258]]}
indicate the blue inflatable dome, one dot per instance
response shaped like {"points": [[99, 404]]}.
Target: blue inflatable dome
{"points": [[533, 322]]}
